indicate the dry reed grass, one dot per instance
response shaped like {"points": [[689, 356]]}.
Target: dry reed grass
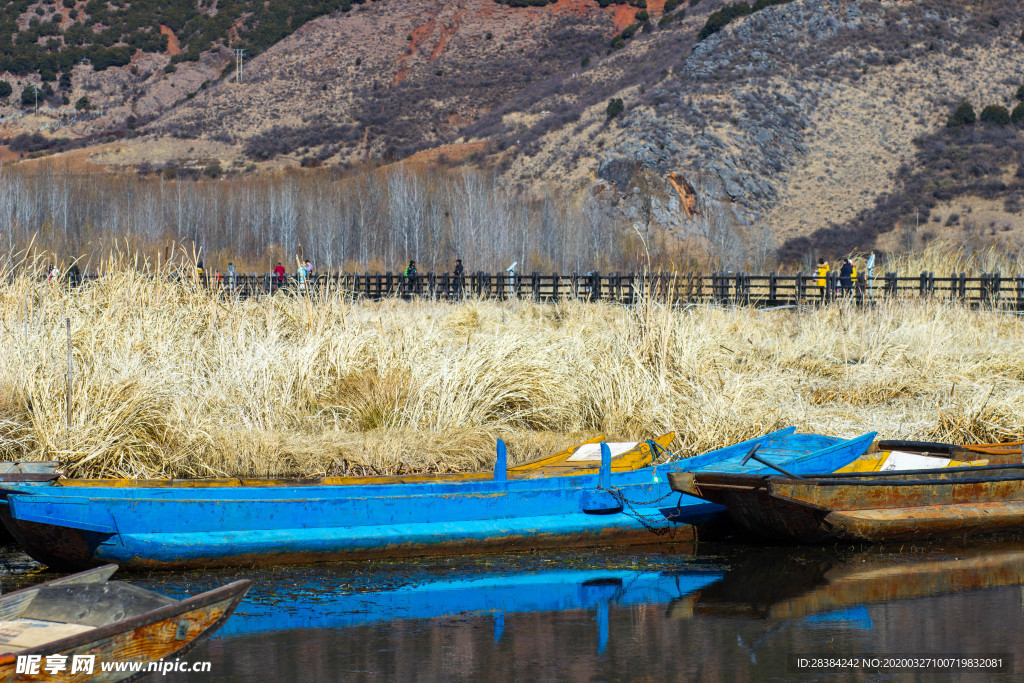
{"points": [[171, 381]]}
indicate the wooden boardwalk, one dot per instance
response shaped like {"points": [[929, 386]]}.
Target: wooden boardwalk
{"points": [[745, 289]]}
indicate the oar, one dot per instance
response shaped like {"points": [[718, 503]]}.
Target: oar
{"points": [[753, 454]]}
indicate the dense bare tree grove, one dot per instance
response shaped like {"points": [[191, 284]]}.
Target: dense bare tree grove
{"points": [[373, 218]]}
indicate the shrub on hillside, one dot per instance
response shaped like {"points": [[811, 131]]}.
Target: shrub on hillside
{"points": [[963, 116], [1020, 93], [1017, 115], [29, 96], [995, 115], [615, 107], [33, 142], [5, 90]]}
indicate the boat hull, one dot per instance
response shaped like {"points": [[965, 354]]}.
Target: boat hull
{"points": [[69, 548], [897, 506]]}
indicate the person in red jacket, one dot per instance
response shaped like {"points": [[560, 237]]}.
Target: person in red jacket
{"points": [[279, 274]]}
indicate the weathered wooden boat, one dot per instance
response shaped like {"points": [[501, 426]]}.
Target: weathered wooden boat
{"points": [[200, 525], [872, 506], [1008, 453], [777, 585], [87, 619]]}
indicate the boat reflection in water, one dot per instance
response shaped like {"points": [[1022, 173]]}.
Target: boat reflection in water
{"points": [[742, 611], [790, 583], [813, 588], [496, 594]]}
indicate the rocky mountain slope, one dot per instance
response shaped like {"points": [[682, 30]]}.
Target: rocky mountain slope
{"points": [[810, 126]]}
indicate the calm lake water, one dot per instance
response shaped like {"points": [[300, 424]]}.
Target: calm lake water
{"points": [[713, 613]]}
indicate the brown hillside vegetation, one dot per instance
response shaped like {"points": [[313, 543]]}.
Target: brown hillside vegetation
{"points": [[814, 126]]}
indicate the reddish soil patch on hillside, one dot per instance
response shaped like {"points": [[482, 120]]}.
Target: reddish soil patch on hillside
{"points": [[173, 46], [655, 7], [446, 35], [623, 16], [578, 7], [418, 34]]}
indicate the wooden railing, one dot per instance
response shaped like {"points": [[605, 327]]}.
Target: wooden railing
{"points": [[746, 289]]}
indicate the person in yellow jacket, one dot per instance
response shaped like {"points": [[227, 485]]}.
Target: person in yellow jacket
{"points": [[822, 272]]}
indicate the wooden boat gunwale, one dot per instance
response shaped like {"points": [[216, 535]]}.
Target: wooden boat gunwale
{"points": [[935, 476], [939, 476], [515, 472], [235, 591], [996, 448]]}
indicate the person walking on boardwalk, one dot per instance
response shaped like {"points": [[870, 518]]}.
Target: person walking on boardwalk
{"points": [[310, 275], [279, 275], [459, 275], [846, 276], [410, 277], [822, 274], [231, 277]]}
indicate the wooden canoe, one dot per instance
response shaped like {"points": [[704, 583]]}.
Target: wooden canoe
{"points": [[85, 615], [571, 461], [873, 506], [171, 527]]}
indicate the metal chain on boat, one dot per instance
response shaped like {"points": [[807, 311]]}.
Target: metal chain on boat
{"points": [[648, 522], [651, 523]]}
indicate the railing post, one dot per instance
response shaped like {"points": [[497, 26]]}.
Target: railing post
{"points": [[772, 289], [799, 289], [535, 285], [891, 284]]}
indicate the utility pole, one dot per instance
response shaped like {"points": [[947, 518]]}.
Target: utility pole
{"points": [[239, 58]]}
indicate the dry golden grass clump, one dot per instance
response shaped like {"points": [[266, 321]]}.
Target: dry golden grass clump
{"points": [[170, 380]]}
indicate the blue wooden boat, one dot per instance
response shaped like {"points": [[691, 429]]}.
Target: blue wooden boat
{"points": [[191, 526]]}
